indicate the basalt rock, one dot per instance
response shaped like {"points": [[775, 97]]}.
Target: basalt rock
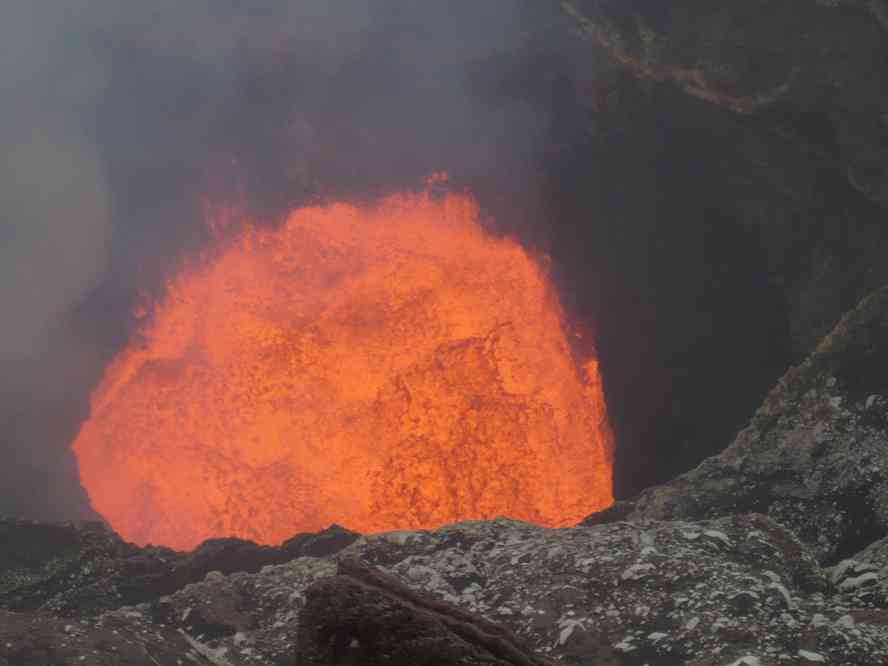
{"points": [[744, 146], [41, 639], [733, 590], [363, 616], [85, 568], [318, 544], [70, 566], [231, 555], [814, 456], [756, 56]]}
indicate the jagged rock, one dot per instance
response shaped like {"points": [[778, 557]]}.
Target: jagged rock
{"points": [[39, 639], [231, 555], [326, 542], [738, 589], [68, 566], [622, 593], [253, 616], [85, 568], [857, 582], [561, 591], [815, 455], [758, 131], [758, 57], [362, 616], [875, 554], [864, 579]]}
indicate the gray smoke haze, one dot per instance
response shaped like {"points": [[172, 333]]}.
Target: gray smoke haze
{"points": [[119, 118]]}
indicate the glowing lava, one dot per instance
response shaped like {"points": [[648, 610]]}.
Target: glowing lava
{"points": [[384, 367]]}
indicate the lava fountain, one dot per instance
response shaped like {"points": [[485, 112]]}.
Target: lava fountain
{"points": [[383, 367]]}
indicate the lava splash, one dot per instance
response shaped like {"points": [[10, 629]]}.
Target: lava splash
{"points": [[389, 366]]}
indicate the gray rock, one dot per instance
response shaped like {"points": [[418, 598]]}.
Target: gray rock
{"points": [[858, 581], [554, 594], [809, 461], [750, 57], [363, 616]]}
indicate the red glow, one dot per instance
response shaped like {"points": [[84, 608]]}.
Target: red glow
{"points": [[384, 367]]}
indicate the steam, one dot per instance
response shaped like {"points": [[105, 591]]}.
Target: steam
{"points": [[119, 117], [55, 200]]}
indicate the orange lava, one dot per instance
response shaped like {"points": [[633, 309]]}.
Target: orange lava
{"points": [[383, 367]]}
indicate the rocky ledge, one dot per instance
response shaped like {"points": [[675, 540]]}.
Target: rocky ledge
{"points": [[773, 552], [733, 590], [814, 456]]}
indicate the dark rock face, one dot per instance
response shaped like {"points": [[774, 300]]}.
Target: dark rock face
{"points": [[69, 567], [326, 542], [231, 555], [66, 581], [84, 568], [39, 639], [752, 57], [362, 616], [734, 176], [733, 590], [815, 454]]}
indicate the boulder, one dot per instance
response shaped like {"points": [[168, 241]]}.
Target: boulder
{"points": [[363, 616], [738, 589]]}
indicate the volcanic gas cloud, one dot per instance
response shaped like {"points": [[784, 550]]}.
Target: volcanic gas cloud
{"points": [[382, 367]]}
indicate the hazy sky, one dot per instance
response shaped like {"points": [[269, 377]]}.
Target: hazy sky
{"points": [[119, 120]]}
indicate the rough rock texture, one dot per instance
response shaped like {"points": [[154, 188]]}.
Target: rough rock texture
{"points": [[722, 566], [39, 639], [84, 568], [763, 121], [754, 55], [650, 592], [362, 616], [735, 590], [734, 176], [814, 456]]}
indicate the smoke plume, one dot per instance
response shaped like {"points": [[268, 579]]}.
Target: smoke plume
{"points": [[121, 120]]}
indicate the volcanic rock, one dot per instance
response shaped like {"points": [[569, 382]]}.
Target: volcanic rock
{"points": [[318, 544], [362, 616], [38, 639], [230, 555], [753, 136], [815, 455], [754, 57], [737, 589], [85, 568], [72, 567]]}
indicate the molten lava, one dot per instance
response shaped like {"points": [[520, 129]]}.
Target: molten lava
{"points": [[382, 367]]}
